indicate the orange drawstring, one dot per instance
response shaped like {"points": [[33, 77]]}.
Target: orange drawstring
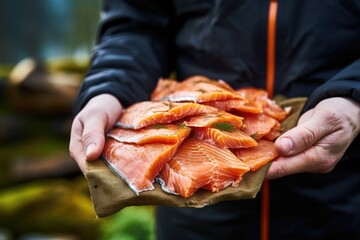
{"points": [[270, 79], [271, 38]]}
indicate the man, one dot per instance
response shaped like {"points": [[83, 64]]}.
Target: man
{"points": [[296, 48]]}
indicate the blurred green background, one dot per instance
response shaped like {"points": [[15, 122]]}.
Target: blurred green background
{"points": [[45, 47]]}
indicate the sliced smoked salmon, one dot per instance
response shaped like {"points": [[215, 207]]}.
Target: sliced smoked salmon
{"points": [[257, 125], [222, 138], [138, 165], [274, 133], [257, 156], [199, 164], [159, 133], [197, 89], [236, 105], [147, 113], [213, 120], [259, 97], [275, 111], [195, 134], [253, 94], [226, 105], [164, 88]]}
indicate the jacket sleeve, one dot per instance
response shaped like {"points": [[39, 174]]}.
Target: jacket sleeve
{"points": [[131, 51], [345, 83]]}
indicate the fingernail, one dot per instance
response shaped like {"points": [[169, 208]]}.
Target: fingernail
{"points": [[90, 149], [286, 144]]}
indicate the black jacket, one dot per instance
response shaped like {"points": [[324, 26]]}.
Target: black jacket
{"points": [[317, 55]]}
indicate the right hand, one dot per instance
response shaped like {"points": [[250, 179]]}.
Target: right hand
{"points": [[87, 138]]}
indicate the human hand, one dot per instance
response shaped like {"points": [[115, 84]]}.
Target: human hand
{"points": [[319, 140], [88, 130]]}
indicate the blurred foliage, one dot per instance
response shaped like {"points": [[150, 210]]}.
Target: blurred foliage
{"points": [[132, 223], [5, 71], [34, 134], [48, 206], [58, 203], [63, 64]]}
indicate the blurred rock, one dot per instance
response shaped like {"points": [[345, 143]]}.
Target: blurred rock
{"points": [[2, 90], [50, 207], [12, 128], [57, 165], [34, 90], [61, 127]]}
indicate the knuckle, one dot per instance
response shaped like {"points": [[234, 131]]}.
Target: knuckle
{"points": [[280, 171], [325, 166], [324, 163], [309, 136], [332, 120], [277, 170]]}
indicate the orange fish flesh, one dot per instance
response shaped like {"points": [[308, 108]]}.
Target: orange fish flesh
{"points": [[253, 94], [222, 138], [138, 165], [274, 133], [259, 97], [257, 156], [213, 120], [275, 111], [257, 125], [226, 105], [160, 133], [164, 88], [199, 164], [236, 105], [147, 113], [197, 89]]}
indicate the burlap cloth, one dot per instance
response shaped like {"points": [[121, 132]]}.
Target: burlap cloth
{"points": [[110, 194]]}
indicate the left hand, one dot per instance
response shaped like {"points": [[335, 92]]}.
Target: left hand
{"points": [[319, 140]]}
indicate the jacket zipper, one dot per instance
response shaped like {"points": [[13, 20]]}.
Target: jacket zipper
{"points": [[270, 81]]}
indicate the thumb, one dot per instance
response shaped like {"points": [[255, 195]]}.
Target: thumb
{"points": [[94, 137], [310, 129]]}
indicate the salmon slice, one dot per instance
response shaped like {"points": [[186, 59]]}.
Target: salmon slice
{"points": [[178, 183], [258, 156], [214, 120], [226, 105], [138, 165], [257, 125], [274, 133], [253, 94], [248, 107], [199, 164], [147, 113], [236, 105], [260, 98], [200, 89], [164, 88], [160, 133], [275, 111], [228, 139]]}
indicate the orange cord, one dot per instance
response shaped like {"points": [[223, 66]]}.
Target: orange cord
{"points": [[270, 79], [265, 210], [271, 38]]}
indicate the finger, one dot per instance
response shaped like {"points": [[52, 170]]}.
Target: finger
{"points": [[310, 129], [312, 160]]}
